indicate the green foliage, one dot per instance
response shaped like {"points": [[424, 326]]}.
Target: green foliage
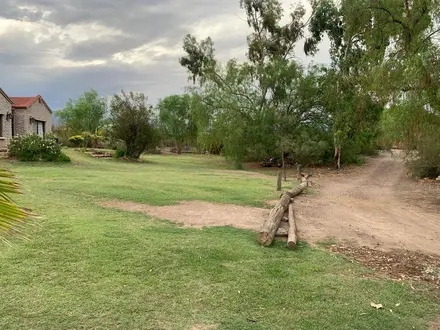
{"points": [[33, 147], [62, 133], [308, 149], [248, 108], [12, 217], [119, 153], [176, 119], [132, 121], [77, 140], [417, 128], [87, 113]]}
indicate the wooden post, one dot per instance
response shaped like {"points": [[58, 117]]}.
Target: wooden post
{"points": [[291, 240], [279, 178], [284, 167]]}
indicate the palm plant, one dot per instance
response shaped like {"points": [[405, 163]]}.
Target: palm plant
{"points": [[12, 217]]}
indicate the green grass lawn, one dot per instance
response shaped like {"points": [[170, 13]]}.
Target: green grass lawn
{"points": [[87, 267]]}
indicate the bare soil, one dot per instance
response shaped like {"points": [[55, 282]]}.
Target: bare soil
{"points": [[199, 214], [435, 325], [375, 205]]}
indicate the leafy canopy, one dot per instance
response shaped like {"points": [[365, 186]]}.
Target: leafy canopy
{"points": [[176, 118], [85, 114]]}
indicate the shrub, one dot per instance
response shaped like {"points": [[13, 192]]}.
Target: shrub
{"points": [[36, 148], [87, 138], [132, 120], [425, 163], [76, 140], [120, 153]]}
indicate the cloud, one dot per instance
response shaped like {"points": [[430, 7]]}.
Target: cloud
{"points": [[60, 48]]}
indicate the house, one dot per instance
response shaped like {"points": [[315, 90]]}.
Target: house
{"points": [[23, 115]]}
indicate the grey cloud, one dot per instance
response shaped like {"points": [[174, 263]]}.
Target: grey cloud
{"points": [[101, 49], [25, 64]]}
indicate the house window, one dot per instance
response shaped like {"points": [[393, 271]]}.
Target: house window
{"points": [[1, 125], [39, 127]]}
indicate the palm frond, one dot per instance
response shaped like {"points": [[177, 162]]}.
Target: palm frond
{"points": [[12, 217]]}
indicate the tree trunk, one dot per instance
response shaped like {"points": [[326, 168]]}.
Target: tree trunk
{"points": [[284, 167], [179, 148], [291, 240], [299, 171], [270, 226], [279, 181], [338, 157]]}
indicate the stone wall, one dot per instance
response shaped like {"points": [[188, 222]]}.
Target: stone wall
{"points": [[39, 111], [5, 107]]}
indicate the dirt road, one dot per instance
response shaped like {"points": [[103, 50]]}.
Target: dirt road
{"points": [[374, 205]]}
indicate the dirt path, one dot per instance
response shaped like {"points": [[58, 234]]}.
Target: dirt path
{"points": [[373, 206]]}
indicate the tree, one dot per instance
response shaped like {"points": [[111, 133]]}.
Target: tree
{"points": [[132, 121], [12, 217], [85, 114], [355, 111], [386, 53], [254, 105], [176, 119]]}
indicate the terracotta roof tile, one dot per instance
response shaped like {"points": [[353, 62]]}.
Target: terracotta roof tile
{"points": [[26, 102], [23, 102]]}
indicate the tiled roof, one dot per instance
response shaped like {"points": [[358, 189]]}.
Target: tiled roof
{"points": [[26, 102]]}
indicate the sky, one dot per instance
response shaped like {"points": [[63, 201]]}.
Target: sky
{"points": [[61, 48]]}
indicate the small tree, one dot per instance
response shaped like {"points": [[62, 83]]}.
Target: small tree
{"points": [[132, 121], [84, 114], [175, 119]]}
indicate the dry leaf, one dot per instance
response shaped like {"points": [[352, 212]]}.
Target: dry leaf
{"points": [[398, 304], [377, 306]]}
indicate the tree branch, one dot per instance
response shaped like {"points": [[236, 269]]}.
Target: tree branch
{"points": [[391, 15]]}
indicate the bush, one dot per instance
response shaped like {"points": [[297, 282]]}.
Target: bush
{"points": [[425, 163], [76, 140], [132, 120], [120, 153], [36, 148]]}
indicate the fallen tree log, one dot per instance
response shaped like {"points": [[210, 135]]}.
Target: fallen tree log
{"points": [[291, 236], [270, 226], [297, 190]]}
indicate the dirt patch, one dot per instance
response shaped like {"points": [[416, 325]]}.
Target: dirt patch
{"points": [[372, 205], [396, 264], [199, 214], [435, 325]]}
